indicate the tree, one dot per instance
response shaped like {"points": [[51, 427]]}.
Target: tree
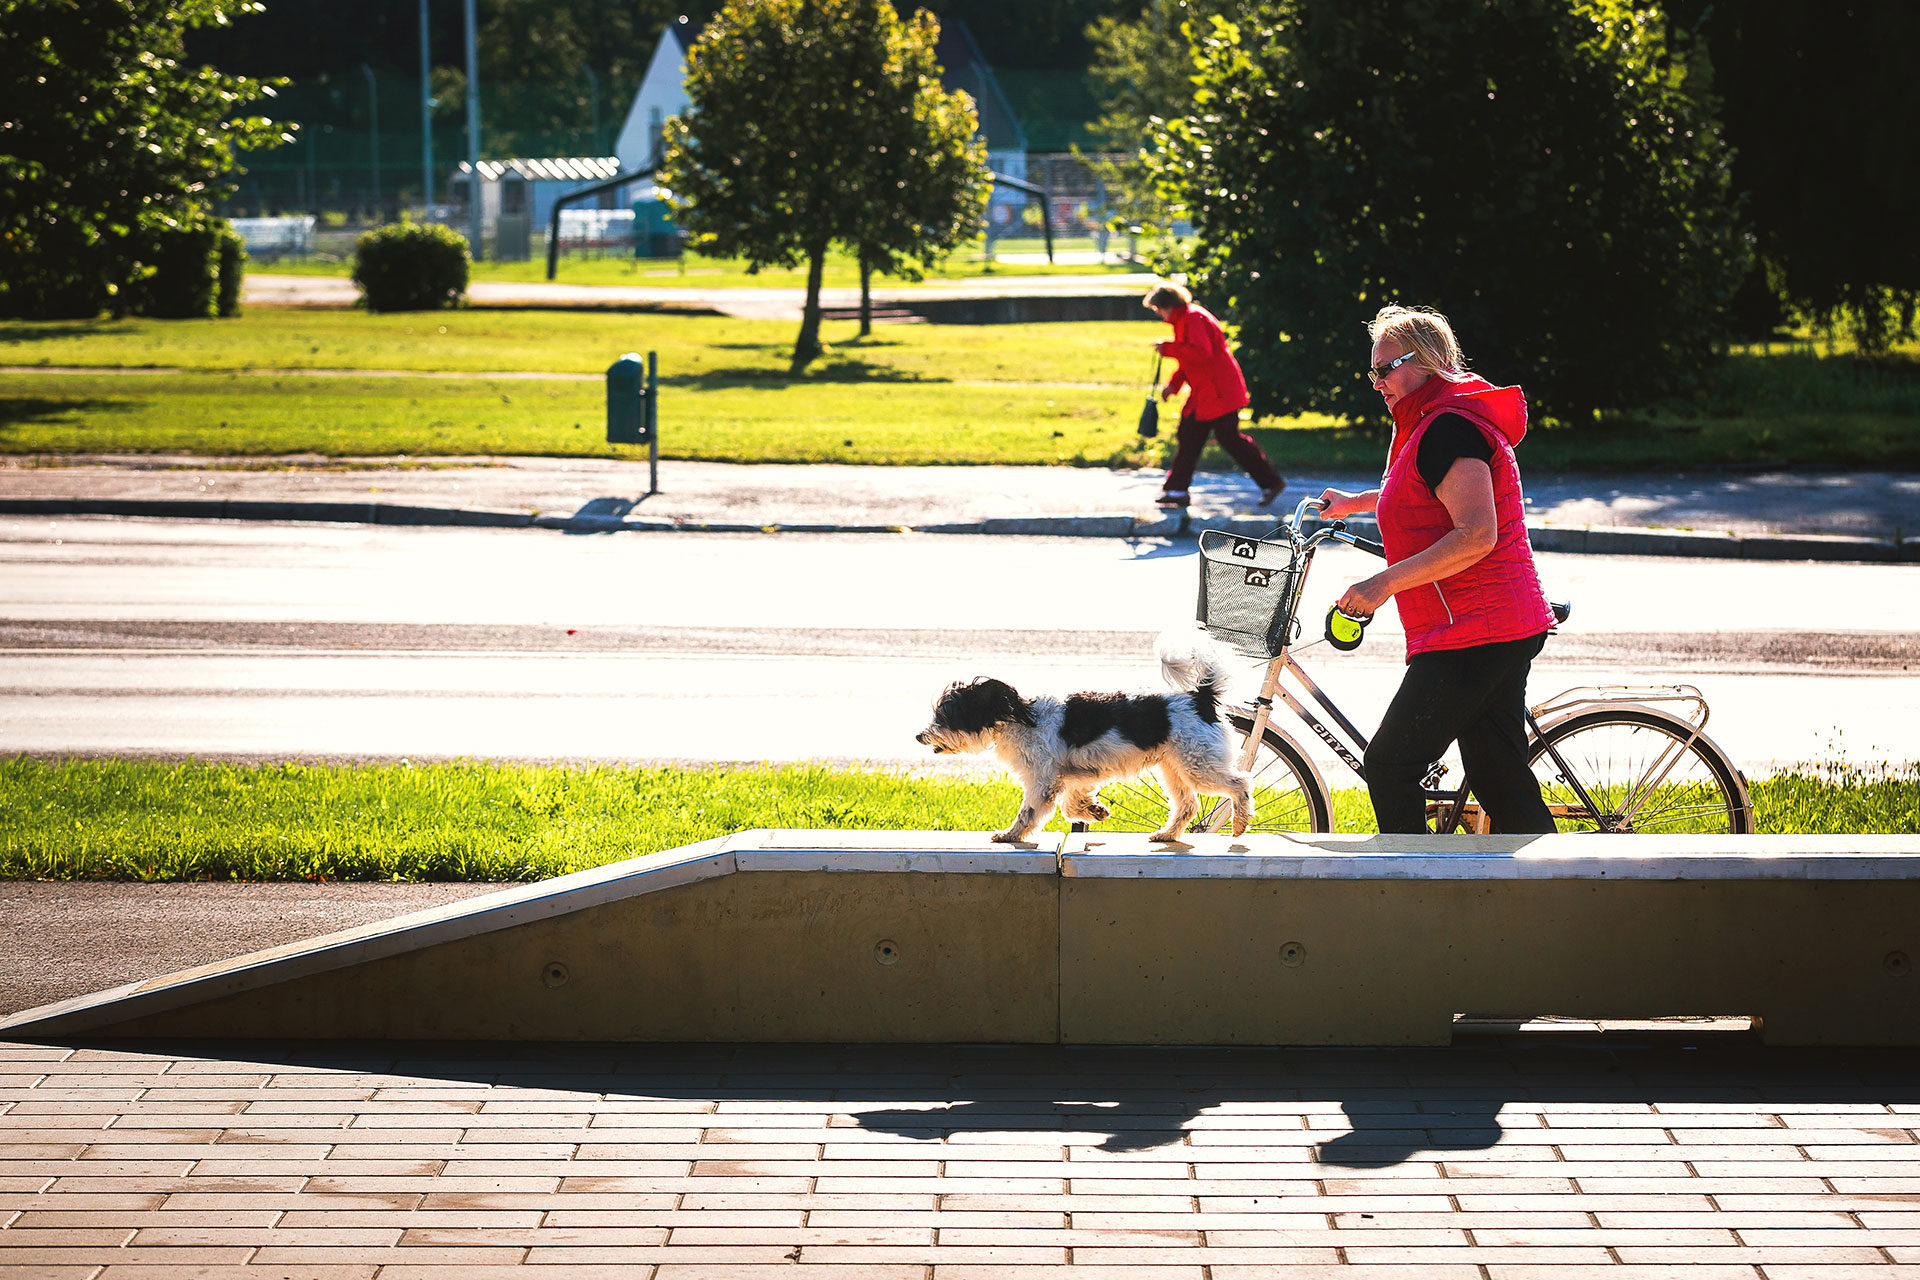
{"points": [[1813, 94], [793, 141], [1143, 73], [1549, 174], [921, 185], [109, 142]]}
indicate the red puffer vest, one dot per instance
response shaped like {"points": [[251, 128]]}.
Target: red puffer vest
{"points": [[1498, 597]]}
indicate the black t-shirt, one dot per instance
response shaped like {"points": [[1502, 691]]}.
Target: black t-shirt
{"points": [[1447, 439]]}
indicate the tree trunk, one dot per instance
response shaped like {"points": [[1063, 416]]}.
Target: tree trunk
{"points": [[807, 347], [866, 299]]}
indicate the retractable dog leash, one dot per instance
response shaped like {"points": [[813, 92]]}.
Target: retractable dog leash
{"points": [[1344, 631]]}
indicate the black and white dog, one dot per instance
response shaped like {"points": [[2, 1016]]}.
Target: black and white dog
{"points": [[1063, 749]]}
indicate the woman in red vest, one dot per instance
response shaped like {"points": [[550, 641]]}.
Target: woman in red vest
{"points": [[1216, 394], [1460, 570]]}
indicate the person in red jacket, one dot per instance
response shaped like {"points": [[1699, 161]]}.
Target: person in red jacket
{"points": [[1216, 394], [1459, 569]]}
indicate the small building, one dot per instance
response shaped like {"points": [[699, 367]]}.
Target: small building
{"points": [[516, 197]]}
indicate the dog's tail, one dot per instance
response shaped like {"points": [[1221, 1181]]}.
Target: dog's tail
{"points": [[1193, 664]]}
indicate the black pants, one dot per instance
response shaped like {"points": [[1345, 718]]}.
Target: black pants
{"points": [[1191, 437], [1477, 697]]}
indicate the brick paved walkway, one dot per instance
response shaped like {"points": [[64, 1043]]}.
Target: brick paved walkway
{"points": [[1529, 1157]]}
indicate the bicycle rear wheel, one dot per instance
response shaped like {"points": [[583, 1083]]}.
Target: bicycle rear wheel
{"points": [[1288, 794], [1642, 774]]}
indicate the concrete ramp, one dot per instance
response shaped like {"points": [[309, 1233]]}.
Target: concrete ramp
{"points": [[902, 936]]}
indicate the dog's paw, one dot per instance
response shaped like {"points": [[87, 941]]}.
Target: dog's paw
{"points": [[1005, 837], [1097, 812], [1168, 836], [1239, 825]]}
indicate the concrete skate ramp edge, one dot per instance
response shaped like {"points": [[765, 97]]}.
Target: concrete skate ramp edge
{"points": [[919, 936]]}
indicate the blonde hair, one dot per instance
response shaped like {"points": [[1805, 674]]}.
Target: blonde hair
{"points": [[1426, 333], [1167, 295]]}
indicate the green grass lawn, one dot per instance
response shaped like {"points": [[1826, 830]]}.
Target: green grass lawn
{"points": [[148, 820], [1016, 394], [691, 271]]}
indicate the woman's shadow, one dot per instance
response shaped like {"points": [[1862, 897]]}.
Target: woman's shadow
{"points": [[1383, 1130]]}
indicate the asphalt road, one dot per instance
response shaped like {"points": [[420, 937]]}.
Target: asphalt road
{"points": [[330, 642]]}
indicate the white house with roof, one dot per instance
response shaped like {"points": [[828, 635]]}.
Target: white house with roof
{"points": [[662, 95]]}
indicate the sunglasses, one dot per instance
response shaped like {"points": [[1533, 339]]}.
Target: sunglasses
{"points": [[1380, 371]]}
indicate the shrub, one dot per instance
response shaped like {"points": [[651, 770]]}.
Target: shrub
{"points": [[176, 272], [411, 267], [232, 253]]}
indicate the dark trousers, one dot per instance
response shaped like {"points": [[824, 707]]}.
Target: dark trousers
{"points": [[1477, 697], [1191, 438]]}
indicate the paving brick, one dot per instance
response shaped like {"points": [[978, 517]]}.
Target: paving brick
{"points": [[144, 1271], [105, 1217], [1776, 1256], [1078, 1271], [1618, 1271], [1424, 1271], [529, 1237], [798, 1271]]}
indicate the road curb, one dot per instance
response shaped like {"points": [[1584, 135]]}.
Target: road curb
{"points": [[1575, 539]]}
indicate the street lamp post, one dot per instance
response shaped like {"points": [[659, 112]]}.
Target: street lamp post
{"points": [[373, 133], [474, 224], [426, 110], [593, 96]]}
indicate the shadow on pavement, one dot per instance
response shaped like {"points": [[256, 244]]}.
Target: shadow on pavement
{"points": [[1378, 1107]]}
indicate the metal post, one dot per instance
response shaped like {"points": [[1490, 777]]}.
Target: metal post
{"points": [[373, 133], [653, 424], [474, 225], [593, 96], [426, 110]]}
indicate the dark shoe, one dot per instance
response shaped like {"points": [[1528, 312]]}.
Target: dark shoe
{"points": [[1172, 500], [1268, 495]]}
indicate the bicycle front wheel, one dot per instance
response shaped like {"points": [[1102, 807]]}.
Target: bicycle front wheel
{"points": [[1288, 794], [1643, 770]]}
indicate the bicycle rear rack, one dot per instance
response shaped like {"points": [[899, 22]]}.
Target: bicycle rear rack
{"points": [[1569, 700]]}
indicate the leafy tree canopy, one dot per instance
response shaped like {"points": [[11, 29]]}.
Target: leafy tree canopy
{"points": [[1815, 93], [1550, 175], [109, 140], [815, 121]]}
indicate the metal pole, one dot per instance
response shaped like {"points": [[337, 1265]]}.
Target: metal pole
{"points": [[426, 111], [593, 96], [474, 225], [653, 423], [373, 132]]}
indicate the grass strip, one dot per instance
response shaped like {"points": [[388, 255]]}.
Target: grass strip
{"points": [[1005, 394], [154, 820], [240, 415], [691, 271]]}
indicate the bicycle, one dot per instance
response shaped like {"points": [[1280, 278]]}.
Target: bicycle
{"points": [[1613, 759]]}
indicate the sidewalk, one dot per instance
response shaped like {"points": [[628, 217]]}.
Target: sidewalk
{"points": [[1754, 515], [1532, 1157]]}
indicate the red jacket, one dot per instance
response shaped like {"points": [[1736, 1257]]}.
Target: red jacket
{"points": [[1498, 597], [1206, 366]]}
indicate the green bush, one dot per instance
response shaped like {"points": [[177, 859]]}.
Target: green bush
{"points": [[411, 267], [175, 273], [232, 254]]}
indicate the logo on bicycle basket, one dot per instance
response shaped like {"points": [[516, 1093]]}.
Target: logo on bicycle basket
{"points": [[1259, 577], [1246, 549]]}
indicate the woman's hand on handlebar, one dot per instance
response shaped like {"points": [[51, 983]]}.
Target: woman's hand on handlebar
{"points": [[1336, 504]]}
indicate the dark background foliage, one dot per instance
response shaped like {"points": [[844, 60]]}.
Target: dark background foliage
{"points": [[1553, 180]]}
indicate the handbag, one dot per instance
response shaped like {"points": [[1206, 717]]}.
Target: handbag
{"points": [[1150, 412]]}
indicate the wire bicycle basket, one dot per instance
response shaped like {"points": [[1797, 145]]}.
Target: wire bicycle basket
{"points": [[1248, 590]]}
